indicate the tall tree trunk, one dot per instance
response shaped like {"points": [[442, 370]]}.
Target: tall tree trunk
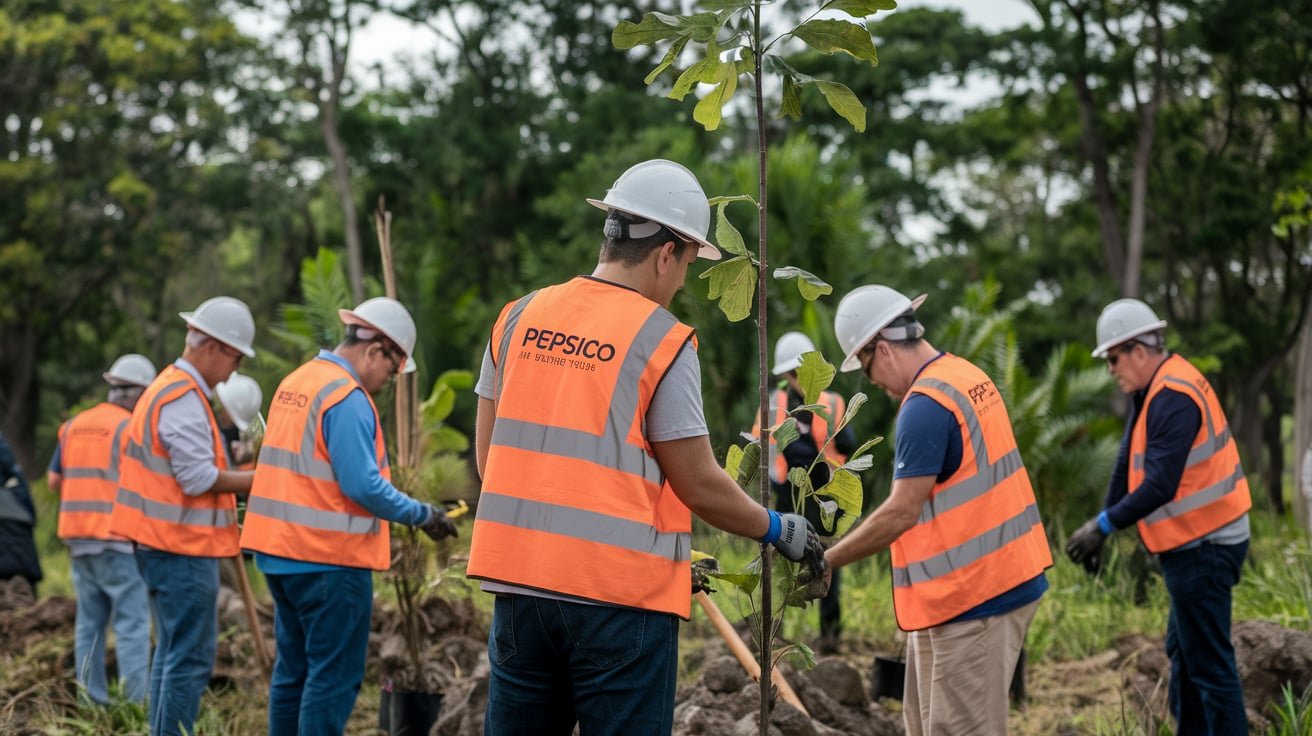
{"points": [[342, 181], [1273, 475], [1143, 151], [1094, 148], [18, 393], [1303, 428]]}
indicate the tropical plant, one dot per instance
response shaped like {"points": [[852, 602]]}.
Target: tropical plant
{"points": [[729, 34]]}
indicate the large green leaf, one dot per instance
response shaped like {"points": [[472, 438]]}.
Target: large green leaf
{"points": [[811, 286], [790, 105], [710, 109], [860, 8], [726, 235], [743, 463], [866, 446], [830, 36], [654, 27], [845, 103], [859, 464], [786, 433], [744, 581], [723, 4], [814, 375], [734, 284], [704, 70], [701, 27], [675, 49], [845, 488]]}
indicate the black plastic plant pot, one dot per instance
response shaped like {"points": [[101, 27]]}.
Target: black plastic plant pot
{"points": [[889, 677], [407, 714]]}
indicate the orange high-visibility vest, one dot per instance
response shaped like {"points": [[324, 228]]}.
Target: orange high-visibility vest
{"points": [[832, 402], [573, 501], [89, 455], [151, 508], [979, 533], [296, 508], [1213, 490]]}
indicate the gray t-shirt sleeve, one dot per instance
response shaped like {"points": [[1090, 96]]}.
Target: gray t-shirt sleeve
{"points": [[676, 409], [184, 430], [487, 375]]}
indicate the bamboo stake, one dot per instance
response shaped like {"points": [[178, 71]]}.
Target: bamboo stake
{"points": [[252, 616], [744, 655]]}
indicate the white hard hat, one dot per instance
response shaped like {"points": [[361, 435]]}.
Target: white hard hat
{"points": [[225, 319], [666, 193], [863, 313], [788, 351], [389, 317], [1123, 320], [131, 368], [241, 397]]}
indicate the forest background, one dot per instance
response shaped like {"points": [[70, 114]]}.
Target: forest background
{"points": [[156, 155]]}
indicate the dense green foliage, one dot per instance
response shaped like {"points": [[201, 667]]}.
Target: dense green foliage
{"points": [[158, 153]]}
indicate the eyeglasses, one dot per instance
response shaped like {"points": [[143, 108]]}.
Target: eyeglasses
{"points": [[1114, 357], [867, 355], [396, 360]]}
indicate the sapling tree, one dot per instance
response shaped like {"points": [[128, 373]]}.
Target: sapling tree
{"points": [[726, 42]]}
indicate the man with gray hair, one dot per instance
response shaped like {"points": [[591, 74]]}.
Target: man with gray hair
{"points": [[177, 502]]}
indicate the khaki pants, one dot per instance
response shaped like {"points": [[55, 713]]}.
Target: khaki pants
{"points": [[958, 675]]}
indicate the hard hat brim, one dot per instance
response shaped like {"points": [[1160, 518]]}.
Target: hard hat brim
{"points": [[705, 248], [1101, 351], [187, 317], [121, 381], [850, 361], [788, 365], [349, 317]]}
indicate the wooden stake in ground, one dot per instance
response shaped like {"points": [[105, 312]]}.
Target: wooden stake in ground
{"points": [[743, 654], [253, 617]]}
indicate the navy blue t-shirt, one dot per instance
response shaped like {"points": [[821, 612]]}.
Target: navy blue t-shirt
{"points": [[929, 443]]}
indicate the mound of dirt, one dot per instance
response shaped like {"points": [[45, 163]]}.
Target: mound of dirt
{"points": [[1268, 656]]}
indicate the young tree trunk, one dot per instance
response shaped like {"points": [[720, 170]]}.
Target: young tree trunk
{"points": [[763, 383]]}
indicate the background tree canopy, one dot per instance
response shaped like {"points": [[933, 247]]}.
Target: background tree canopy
{"points": [[156, 154]]}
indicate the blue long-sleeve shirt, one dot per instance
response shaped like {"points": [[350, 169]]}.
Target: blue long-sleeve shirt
{"points": [[348, 431], [1173, 423]]}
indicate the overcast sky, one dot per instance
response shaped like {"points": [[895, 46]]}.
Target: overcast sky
{"points": [[385, 35]]}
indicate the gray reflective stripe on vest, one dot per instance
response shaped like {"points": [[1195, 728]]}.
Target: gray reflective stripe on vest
{"points": [[1215, 442], [987, 475], [503, 350], [968, 552], [330, 521], [92, 507], [1197, 499], [304, 462], [589, 526], [141, 452], [175, 514], [611, 448], [89, 473]]}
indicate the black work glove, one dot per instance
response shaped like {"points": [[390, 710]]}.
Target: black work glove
{"points": [[701, 570], [816, 575], [1085, 546], [438, 526]]}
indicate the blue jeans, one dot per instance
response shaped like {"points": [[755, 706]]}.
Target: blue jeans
{"points": [[184, 596], [108, 585], [321, 621], [554, 663], [1206, 695]]}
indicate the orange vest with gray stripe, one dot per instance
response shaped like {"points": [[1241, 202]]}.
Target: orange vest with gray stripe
{"points": [[573, 501], [151, 508], [832, 402], [296, 508], [979, 533], [1213, 490], [89, 456]]}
